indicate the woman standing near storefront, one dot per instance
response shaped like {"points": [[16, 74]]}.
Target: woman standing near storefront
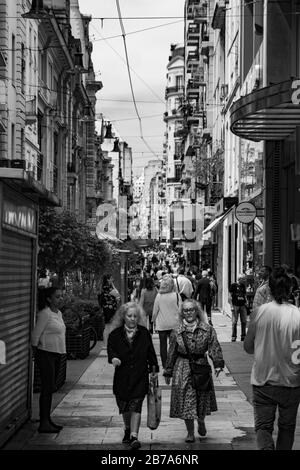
{"points": [[48, 343]]}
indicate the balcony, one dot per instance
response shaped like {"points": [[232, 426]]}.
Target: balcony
{"points": [[71, 167], [200, 13], [196, 113], [53, 99], [192, 90], [31, 111], [218, 20], [39, 167], [205, 45], [53, 178], [44, 92], [173, 90], [193, 32], [193, 2], [181, 132], [192, 58]]}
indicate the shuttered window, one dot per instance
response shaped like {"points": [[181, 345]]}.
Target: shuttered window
{"points": [[15, 325]]}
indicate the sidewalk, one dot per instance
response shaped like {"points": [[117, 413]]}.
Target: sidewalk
{"points": [[87, 409]]}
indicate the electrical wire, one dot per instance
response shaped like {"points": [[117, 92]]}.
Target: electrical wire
{"points": [[130, 80], [42, 49], [140, 78]]}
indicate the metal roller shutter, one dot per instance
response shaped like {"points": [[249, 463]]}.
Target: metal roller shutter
{"points": [[16, 253]]}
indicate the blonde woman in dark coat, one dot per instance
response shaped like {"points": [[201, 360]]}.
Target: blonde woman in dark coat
{"points": [[130, 350], [186, 402]]}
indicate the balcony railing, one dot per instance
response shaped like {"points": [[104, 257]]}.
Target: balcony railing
{"points": [[193, 34], [192, 57], [39, 167], [53, 178], [71, 167], [174, 89], [181, 132], [44, 91], [205, 45], [200, 13], [31, 111]]}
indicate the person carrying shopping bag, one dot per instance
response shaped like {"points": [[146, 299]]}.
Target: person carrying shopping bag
{"points": [[130, 350], [165, 314], [193, 337]]}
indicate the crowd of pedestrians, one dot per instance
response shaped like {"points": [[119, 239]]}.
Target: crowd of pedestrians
{"points": [[176, 301]]}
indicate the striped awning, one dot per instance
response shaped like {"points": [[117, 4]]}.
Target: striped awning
{"points": [[266, 113]]}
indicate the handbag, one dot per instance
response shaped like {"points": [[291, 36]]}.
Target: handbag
{"points": [[200, 373], [153, 403]]}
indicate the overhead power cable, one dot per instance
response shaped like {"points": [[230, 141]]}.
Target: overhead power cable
{"points": [[140, 78], [130, 80]]}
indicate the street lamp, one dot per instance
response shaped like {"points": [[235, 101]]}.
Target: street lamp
{"points": [[37, 11]]}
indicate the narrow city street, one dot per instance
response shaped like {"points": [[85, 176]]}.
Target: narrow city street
{"points": [[89, 413]]}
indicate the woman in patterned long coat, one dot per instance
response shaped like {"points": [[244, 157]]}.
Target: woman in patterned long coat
{"points": [[186, 402]]}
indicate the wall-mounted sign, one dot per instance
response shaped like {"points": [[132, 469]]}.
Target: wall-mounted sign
{"points": [[19, 216], [245, 212]]}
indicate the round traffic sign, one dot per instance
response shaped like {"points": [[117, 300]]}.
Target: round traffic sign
{"points": [[245, 212]]}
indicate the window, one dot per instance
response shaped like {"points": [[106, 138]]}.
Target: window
{"points": [[23, 68], [179, 82], [22, 143], [13, 58], [12, 141]]}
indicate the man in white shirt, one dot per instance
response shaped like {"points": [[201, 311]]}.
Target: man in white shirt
{"points": [[184, 285], [274, 338]]}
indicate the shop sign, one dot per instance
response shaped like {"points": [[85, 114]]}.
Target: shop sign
{"points": [[19, 216], [245, 212]]}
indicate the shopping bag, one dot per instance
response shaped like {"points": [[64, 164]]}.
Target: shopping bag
{"points": [[153, 403]]}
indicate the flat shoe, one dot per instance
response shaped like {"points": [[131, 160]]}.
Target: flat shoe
{"points": [[190, 438], [57, 426], [50, 430], [201, 429], [134, 443]]}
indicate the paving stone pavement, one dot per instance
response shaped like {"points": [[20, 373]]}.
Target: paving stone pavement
{"points": [[89, 413]]}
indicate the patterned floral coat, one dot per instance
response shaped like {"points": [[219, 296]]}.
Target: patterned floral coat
{"points": [[186, 403]]}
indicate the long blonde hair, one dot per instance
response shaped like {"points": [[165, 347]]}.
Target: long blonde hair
{"points": [[119, 317]]}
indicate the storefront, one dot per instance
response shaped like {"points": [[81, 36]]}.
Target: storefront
{"points": [[19, 206]]}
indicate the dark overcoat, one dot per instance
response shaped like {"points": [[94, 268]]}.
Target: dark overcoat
{"points": [[131, 378]]}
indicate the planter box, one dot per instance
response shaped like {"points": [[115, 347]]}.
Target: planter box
{"points": [[61, 377], [78, 343]]}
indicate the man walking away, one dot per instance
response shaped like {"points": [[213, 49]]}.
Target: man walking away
{"points": [[203, 294], [263, 293], [238, 301], [274, 339], [184, 285]]}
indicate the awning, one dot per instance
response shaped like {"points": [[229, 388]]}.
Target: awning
{"points": [[29, 186], [267, 113], [107, 236], [214, 224]]}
